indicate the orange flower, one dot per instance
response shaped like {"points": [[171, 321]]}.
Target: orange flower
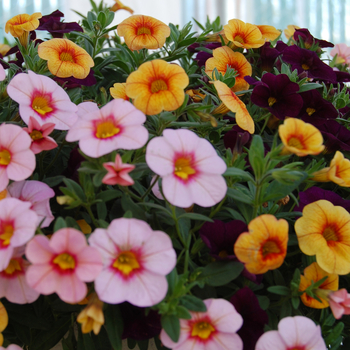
{"points": [[300, 138], [143, 32], [84, 226], [233, 103], [269, 33], [65, 59], [196, 95], [118, 91], [223, 57], [120, 6], [4, 320], [314, 273], [264, 247], [338, 172], [157, 86], [289, 31], [20, 26], [243, 34], [324, 231], [4, 49]]}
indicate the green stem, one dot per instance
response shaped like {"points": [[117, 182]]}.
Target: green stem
{"points": [[150, 188], [92, 216], [257, 200]]}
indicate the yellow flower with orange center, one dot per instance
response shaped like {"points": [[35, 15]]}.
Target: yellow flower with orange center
{"points": [[65, 59], [4, 49], [289, 31], [314, 273], [120, 6], [224, 57], [233, 103], [264, 247], [269, 33], [324, 231], [118, 91], [300, 138], [20, 26], [157, 86], [4, 320], [244, 35], [141, 31]]}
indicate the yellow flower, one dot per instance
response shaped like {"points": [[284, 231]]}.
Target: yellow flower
{"points": [[233, 103], [300, 138], [143, 32], [4, 49], [264, 247], [324, 231], [4, 320], [92, 318], [157, 86], [65, 59], [243, 34], [314, 273], [118, 91], [289, 31], [269, 33], [120, 6], [195, 95]]}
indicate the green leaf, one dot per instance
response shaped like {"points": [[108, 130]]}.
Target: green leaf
{"points": [[114, 326], [59, 223], [75, 188], [280, 290], [101, 210], [108, 195], [264, 301], [171, 325], [137, 211], [84, 341], [239, 173], [182, 312], [193, 303], [240, 196], [53, 181], [256, 155], [157, 206], [195, 216], [309, 86]]}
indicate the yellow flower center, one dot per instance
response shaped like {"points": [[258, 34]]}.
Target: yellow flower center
{"points": [[41, 104], [5, 157], [202, 330], [330, 234], [223, 254], [310, 111], [65, 261], [271, 101], [270, 247], [36, 135], [305, 66], [143, 30], [66, 57], [126, 262], [158, 85], [6, 234], [12, 267], [239, 39], [183, 168], [295, 142], [106, 129]]}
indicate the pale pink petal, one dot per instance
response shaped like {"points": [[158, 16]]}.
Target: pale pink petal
{"points": [[5, 257], [184, 335], [271, 340], [87, 107], [160, 156], [44, 144], [43, 210], [20, 88], [68, 240], [38, 250], [11, 347], [2, 73], [80, 130], [102, 241], [21, 166], [42, 278], [71, 289], [337, 309], [225, 341], [176, 191], [182, 140], [89, 264], [4, 180], [14, 138], [46, 129]]}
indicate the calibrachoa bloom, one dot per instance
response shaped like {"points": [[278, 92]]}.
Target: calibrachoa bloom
{"points": [[116, 125], [214, 329], [339, 302], [136, 260], [118, 173], [289, 31], [120, 6], [17, 161], [343, 53], [118, 91], [4, 320], [2, 73], [337, 136], [269, 33], [62, 264], [300, 138], [189, 166], [141, 31], [324, 231], [65, 58], [294, 333], [43, 99], [309, 40], [157, 86], [17, 226], [11, 347], [264, 247], [4, 48]]}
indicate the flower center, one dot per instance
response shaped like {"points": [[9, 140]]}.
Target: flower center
{"points": [[239, 39], [36, 135], [158, 85], [183, 168], [5, 157], [6, 233], [295, 142], [223, 254], [330, 234], [270, 247], [305, 66], [106, 129], [310, 111], [66, 56], [202, 330], [12, 267], [41, 104], [126, 262], [271, 101], [65, 261], [143, 30]]}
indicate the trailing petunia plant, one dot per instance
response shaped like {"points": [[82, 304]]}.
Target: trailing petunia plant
{"points": [[157, 183]]}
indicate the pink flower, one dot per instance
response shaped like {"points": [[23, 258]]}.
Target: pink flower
{"points": [[339, 302], [136, 261], [2, 73], [189, 166], [40, 136], [38, 194], [62, 265], [118, 173], [17, 227], [17, 161], [13, 285], [11, 347], [214, 329], [116, 125], [297, 333], [343, 52], [43, 99]]}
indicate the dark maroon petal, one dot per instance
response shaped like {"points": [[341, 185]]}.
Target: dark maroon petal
{"points": [[337, 136], [280, 46], [268, 56], [236, 139], [252, 81], [56, 15], [202, 57], [72, 82], [309, 40]]}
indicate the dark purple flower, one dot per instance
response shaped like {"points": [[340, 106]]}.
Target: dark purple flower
{"points": [[236, 139], [342, 77], [309, 40], [316, 110], [72, 82], [314, 194], [268, 56], [278, 94], [254, 317], [304, 60], [202, 56], [337, 136], [281, 46]]}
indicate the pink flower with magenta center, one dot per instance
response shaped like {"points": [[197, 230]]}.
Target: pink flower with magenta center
{"points": [[136, 261], [189, 166], [62, 265], [116, 125], [339, 302], [214, 329], [118, 173], [43, 99]]}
